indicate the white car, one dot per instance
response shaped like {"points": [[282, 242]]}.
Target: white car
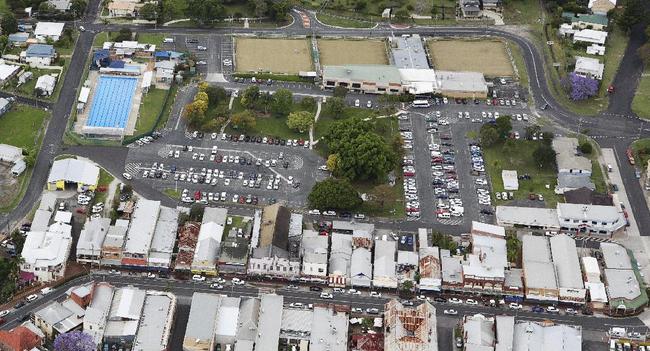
{"points": [[369, 104], [329, 213], [314, 212], [515, 306], [127, 176], [325, 295], [4, 313], [201, 48], [216, 286], [455, 301], [450, 312], [357, 310], [198, 278], [31, 298], [552, 309], [471, 302], [375, 294], [237, 281], [354, 292], [359, 216], [357, 103], [201, 63], [227, 62]]}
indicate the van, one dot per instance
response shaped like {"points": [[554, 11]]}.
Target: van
{"points": [[168, 40], [46, 291]]}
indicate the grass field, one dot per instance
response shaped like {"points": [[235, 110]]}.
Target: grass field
{"points": [[151, 38], [352, 52], [273, 55], [488, 57], [152, 104], [641, 102], [520, 159], [340, 21], [21, 126]]}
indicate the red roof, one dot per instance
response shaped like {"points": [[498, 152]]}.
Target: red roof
{"points": [[368, 342], [19, 339]]}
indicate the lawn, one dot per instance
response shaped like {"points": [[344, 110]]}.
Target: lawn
{"points": [[102, 37], [394, 210], [641, 102], [273, 55], [174, 194], [527, 12], [236, 223], [520, 158], [151, 38], [339, 21], [471, 55], [152, 104], [21, 126], [27, 88], [105, 180]]}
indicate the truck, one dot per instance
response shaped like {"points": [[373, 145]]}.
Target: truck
{"points": [[630, 156]]}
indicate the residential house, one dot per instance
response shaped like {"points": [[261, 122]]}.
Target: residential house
{"points": [[470, 8], [65, 316], [206, 254], [12, 156], [45, 84], [590, 36], [6, 73], [118, 8], [18, 39], [19, 338], [410, 328], [589, 67], [573, 169], [586, 21], [164, 71], [601, 7], [60, 5], [51, 30]]}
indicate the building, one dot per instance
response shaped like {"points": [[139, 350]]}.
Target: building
{"points": [[268, 328], [591, 219], [513, 284], [38, 55], [371, 79], [6, 73], [586, 21], [484, 269], [589, 68], [492, 5], [117, 8], [384, 274], [410, 328], [18, 39], [83, 174], [164, 238], [529, 217], [590, 36], [470, 8], [429, 268], [567, 157], [625, 294], [156, 322], [478, 332], [50, 30], [452, 271], [113, 244], [419, 81], [45, 85], [329, 330], [188, 236], [45, 253], [140, 234], [274, 255], [462, 84], [94, 322], [407, 51], [165, 71], [60, 5], [340, 258], [595, 49], [91, 239], [530, 335], [539, 272], [314, 254], [567, 269], [19, 338], [65, 316], [13, 156], [201, 325], [123, 318], [510, 180], [601, 7], [361, 259], [206, 254]]}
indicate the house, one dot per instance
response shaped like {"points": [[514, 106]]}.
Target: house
{"points": [[206, 253], [410, 328], [19, 338], [18, 39], [45, 85], [573, 169], [60, 317], [60, 5], [601, 7], [45, 253], [6, 73], [470, 8], [384, 274], [274, 254], [586, 21], [38, 55], [314, 254], [589, 67], [370, 79], [51, 30], [590, 36], [539, 272], [117, 8], [11, 155], [595, 49]]}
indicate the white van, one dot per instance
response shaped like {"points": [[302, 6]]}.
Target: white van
{"points": [[168, 40], [46, 291]]}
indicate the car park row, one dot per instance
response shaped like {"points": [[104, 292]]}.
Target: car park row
{"points": [[412, 201]]}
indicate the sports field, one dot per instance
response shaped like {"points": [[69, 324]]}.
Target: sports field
{"points": [[352, 52], [488, 57], [272, 55]]}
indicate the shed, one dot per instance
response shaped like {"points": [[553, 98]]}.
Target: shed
{"points": [[510, 180]]}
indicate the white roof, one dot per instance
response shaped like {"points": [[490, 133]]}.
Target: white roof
{"points": [[50, 248], [590, 35], [491, 229], [528, 216], [226, 324], [268, 330], [540, 275], [591, 3], [63, 217], [10, 153], [384, 258], [200, 327], [73, 170], [127, 303], [533, 336], [84, 94], [488, 258], [329, 330], [461, 81], [615, 256], [340, 254], [535, 248], [153, 331], [479, 332], [510, 180], [164, 235], [622, 284], [361, 266], [408, 258], [591, 268], [146, 79], [597, 292], [46, 83], [7, 70], [567, 265], [597, 213], [143, 224], [52, 29], [209, 240]]}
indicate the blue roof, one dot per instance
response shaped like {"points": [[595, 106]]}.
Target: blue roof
{"points": [[116, 64], [18, 37], [40, 50], [168, 54], [100, 54]]}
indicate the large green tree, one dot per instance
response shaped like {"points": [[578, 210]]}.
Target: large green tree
{"points": [[488, 135], [633, 13], [149, 11], [9, 24], [504, 126], [205, 11], [300, 121], [250, 96], [334, 194], [173, 9], [334, 107], [544, 155], [282, 102]]}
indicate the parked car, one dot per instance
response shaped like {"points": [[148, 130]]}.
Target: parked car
{"points": [[198, 278], [450, 312]]}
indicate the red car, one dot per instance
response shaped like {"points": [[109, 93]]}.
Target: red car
{"points": [[197, 195], [218, 158]]}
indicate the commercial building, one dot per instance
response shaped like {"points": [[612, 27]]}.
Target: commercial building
{"points": [[384, 274], [429, 268], [530, 335], [407, 51], [329, 330], [590, 36], [371, 79], [452, 271], [213, 320], [567, 269], [156, 322], [38, 55], [419, 81], [94, 322], [591, 219], [51, 30], [113, 245], [188, 236], [478, 332], [410, 328], [206, 253], [510, 180], [89, 245], [361, 259], [81, 173], [164, 238], [140, 234], [539, 272], [60, 317], [589, 67], [567, 157], [462, 84], [626, 296], [484, 268], [268, 328], [314, 254], [340, 258], [45, 253]]}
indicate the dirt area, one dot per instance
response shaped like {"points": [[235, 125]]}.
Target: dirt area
{"points": [[273, 55], [488, 57], [9, 185], [352, 52]]}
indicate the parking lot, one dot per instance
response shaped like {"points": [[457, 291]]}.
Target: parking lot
{"points": [[213, 53]]}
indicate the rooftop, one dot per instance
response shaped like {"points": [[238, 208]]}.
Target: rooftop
{"points": [[540, 275], [226, 324], [143, 224], [452, 268], [567, 265], [478, 332], [527, 216], [201, 324], [462, 81], [73, 170], [268, 331], [488, 258], [566, 150], [535, 248], [329, 330], [383, 74], [48, 249], [164, 236], [154, 329], [615, 256], [48, 29], [410, 328], [622, 284], [384, 263], [408, 52], [92, 236], [40, 50], [534, 336], [485, 228]]}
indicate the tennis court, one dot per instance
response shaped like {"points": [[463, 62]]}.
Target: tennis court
{"points": [[112, 102]]}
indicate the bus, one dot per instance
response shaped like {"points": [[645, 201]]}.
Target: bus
{"points": [[421, 103]]}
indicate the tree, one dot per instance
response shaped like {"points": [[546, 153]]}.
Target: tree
{"points": [[205, 11], [360, 5], [260, 8], [545, 156], [30, 158], [149, 11], [249, 96], [74, 341], [530, 131], [578, 87], [488, 135], [280, 10], [632, 14], [300, 121], [331, 162], [45, 8], [196, 212], [334, 107], [383, 194], [504, 126], [216, 95], [243, 120], [195, 113], [644, 53], [334, 194], [585, 147], [78, 7], [340, 91], [4, 40], [172, 9], [308, 103], [124, 34], [9, 24], [282, 102], [402, 14]]}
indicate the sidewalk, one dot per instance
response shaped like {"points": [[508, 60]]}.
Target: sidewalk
{"points": [[311, 129]]}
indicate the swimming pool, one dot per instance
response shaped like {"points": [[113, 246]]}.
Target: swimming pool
{"points": [[112, 102]]}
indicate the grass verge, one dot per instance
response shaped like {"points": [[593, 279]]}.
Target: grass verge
{"points": [[641, 102], [105, 180], [342, 21], [174, 194], [21, 126], [153, 103]]}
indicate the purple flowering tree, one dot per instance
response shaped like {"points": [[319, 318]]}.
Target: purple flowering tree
{"points": [[580, 88], [74, 341]]}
